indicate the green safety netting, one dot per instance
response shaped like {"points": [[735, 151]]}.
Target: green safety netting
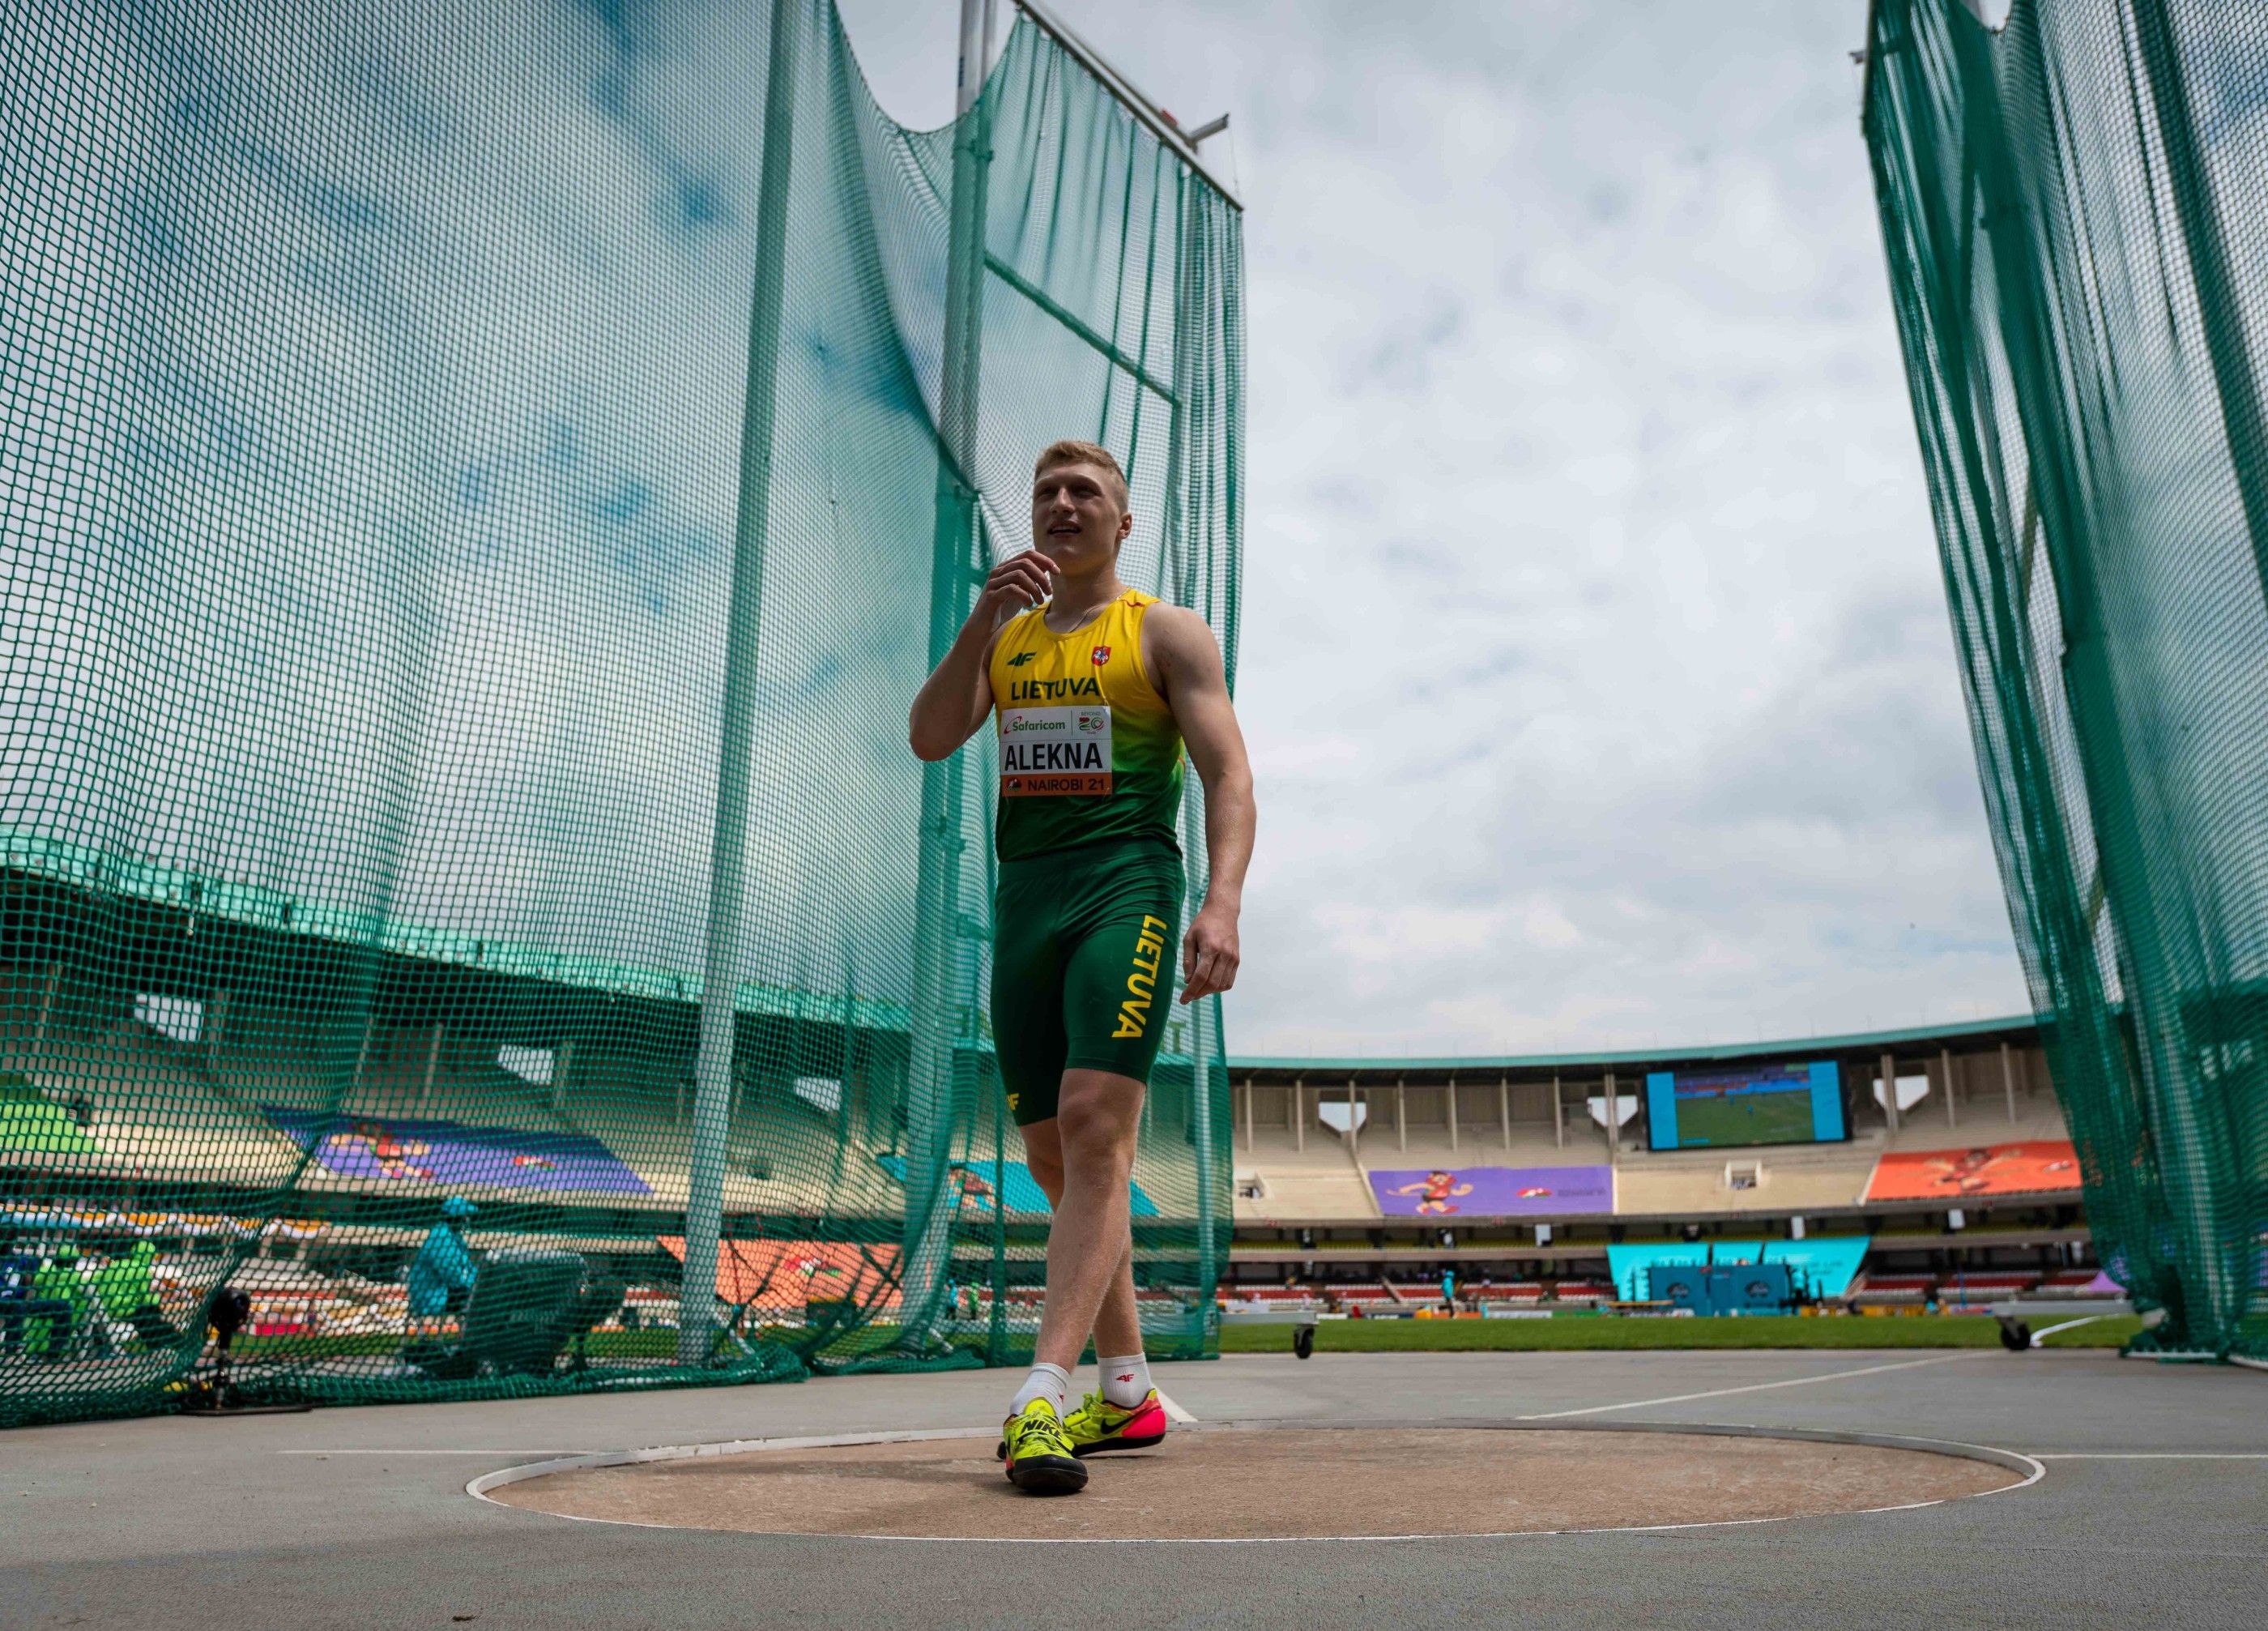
{"points": [[2076, 210], [482, 488]]}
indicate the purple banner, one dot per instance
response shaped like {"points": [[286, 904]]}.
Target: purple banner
{"points": [[1494, 1191], [446, 1155]]}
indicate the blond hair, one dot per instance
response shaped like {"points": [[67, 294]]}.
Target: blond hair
{"points": [[1075, 451]]}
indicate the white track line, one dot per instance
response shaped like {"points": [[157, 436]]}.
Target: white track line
{"points": [[1753, 1387], [2155, 1455], [1172, 1409], [479, 1487]]}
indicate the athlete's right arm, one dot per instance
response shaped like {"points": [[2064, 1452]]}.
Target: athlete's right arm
{"points": [[952, 703]]}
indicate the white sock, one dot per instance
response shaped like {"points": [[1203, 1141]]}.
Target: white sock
{"points": [[1051, 1383], [1125, 1381]]}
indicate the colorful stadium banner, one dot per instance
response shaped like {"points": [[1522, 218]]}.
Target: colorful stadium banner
{"points": [[976, 1180], [447, 1155], [2037, 1166], [786, 1274], [1822, 1266], [1494, 1191]]}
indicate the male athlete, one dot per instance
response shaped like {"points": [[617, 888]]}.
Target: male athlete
{"points": [[1098, 690]]}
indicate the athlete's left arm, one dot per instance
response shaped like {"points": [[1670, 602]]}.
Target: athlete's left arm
{"points": [[1187, 662]]}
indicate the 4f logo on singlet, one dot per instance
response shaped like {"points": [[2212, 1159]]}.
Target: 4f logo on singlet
{"points": [[1020, 659], [1142, 983]]}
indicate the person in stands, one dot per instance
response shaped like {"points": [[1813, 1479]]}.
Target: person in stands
{"points": [[441, 1275]]}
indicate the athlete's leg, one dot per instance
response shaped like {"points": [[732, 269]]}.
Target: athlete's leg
{"points": [[1117, 1326], [1117, 983], [1102, 957], [1098, 1117], [1027, 969]]}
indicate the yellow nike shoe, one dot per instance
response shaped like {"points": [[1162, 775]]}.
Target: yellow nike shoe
{"points": [[1098, 1426], [1040, 1458]]}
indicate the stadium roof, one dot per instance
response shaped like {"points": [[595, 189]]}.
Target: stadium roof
{"points": [[259, 907], [2014, 1028]]}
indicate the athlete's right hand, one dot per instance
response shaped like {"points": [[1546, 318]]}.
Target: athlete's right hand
{"points": [[1015, 585]]}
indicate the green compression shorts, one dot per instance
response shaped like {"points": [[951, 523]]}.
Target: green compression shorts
{"points": [[1084, 943]]}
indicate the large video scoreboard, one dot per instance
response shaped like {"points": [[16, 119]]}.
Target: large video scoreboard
{"points": [[1753, 1104]]}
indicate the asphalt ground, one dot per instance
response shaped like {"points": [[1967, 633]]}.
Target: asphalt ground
{"points": [[2153, 1509]]}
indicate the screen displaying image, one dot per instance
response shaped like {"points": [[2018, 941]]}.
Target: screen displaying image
{"points": [[1753, 1104]]}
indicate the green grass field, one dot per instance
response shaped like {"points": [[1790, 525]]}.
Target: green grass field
{"points": [[1473, 1336], [1712, 1120]]}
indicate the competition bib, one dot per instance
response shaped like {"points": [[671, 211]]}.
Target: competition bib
{"points": [[1055, 751]]}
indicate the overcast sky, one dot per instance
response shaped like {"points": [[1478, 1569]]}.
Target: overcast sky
{"points": [[1595, 662]]}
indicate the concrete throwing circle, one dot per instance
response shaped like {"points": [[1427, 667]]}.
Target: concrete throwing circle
{"points": [[1271, 1481]]}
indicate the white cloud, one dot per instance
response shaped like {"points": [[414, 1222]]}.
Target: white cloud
{"points": [[1594, 662], [1594, 658]]}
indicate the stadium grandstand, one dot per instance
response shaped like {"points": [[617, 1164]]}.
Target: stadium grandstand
{"points": [[1363, 1183], [167, 1095], [184, 1093]]}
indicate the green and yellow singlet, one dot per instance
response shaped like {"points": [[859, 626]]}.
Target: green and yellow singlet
{"points": [[1089, 751]]}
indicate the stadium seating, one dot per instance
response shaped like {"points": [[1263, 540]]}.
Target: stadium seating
{"points": [[781, 1154], [1975, 1288], [1774, 1178], [1367, 1297], [1317, 1184], [1980, 1123], [1889, 1290], [147, 1108], [1581, 1291], [1273, 1299], [1503, 1290]]}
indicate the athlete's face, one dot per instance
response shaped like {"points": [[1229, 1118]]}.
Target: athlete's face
{"points": [[1077, 521]]}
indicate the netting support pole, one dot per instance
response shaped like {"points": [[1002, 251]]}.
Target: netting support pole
{"points": [[720, 963], [48, 988], [209, 1035], [2008, 1081], [1204, 1051], [432, 1063], [926, 1248]]}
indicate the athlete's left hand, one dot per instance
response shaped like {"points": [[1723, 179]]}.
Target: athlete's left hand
{"points": [[1209, 953]]}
